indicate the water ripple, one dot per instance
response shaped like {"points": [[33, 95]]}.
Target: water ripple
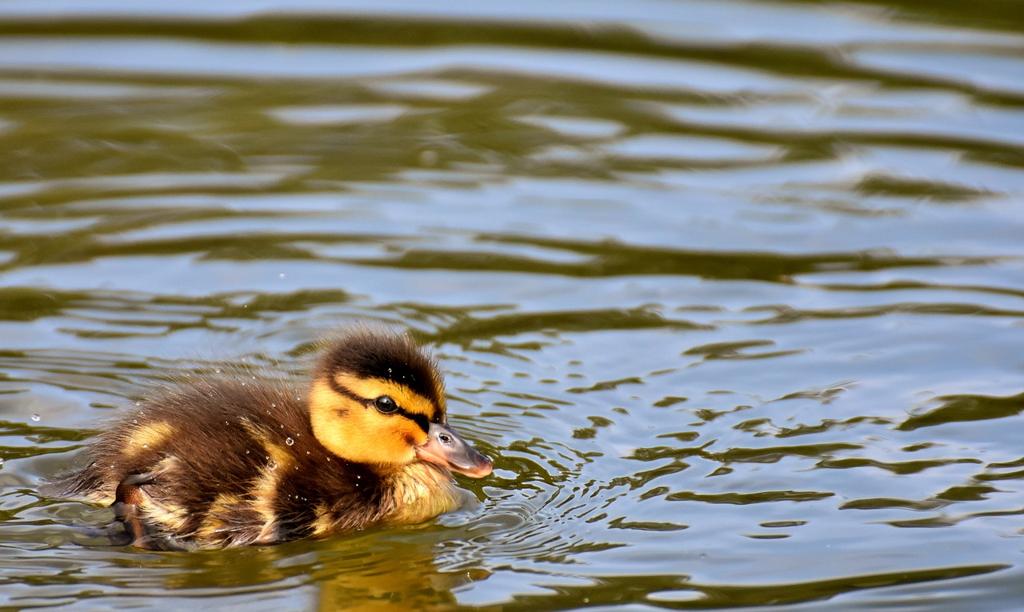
{"points": [[721, 287]]}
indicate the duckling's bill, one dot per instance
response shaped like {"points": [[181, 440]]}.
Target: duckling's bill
{"points": [[447, 449]]}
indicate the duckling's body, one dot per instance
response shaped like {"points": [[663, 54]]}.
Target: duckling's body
{"points": [[238, 461]]}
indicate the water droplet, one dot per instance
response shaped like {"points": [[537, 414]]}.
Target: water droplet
{"points": [[135, 421], [289, 441], [246, 452], [36, 418], [272, 405], [428, 157], [217, 370]]}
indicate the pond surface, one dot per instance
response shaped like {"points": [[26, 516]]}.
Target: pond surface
{"points": [[733, 292]]}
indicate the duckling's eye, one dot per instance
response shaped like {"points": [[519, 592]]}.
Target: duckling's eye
{"points": [[385, 404]]}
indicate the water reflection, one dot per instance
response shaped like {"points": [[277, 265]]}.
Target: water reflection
{"points": [[731, 290]]}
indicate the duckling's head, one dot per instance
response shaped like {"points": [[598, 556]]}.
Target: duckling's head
{"points": [[378, 399]]}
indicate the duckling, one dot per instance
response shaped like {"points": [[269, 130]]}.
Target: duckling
{"points": [[236, 461]]}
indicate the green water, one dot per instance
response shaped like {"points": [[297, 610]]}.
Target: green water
{"points": [[732, 292]]}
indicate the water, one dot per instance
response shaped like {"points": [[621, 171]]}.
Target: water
{"points": [[732, 292]]}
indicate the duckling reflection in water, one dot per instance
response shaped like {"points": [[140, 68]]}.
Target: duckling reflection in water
{"points": [[237, 461]]}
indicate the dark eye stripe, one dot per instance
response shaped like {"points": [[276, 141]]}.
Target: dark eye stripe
{"points": [[420, 419], [344, 391]]}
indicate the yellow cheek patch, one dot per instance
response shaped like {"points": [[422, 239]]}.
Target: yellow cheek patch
{"points": [[146, 437], [355, 432], [404, 430], [372, 388], [323, 401]]}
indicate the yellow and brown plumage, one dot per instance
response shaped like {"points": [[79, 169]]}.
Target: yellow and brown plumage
{"points": [[236, 460]]}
